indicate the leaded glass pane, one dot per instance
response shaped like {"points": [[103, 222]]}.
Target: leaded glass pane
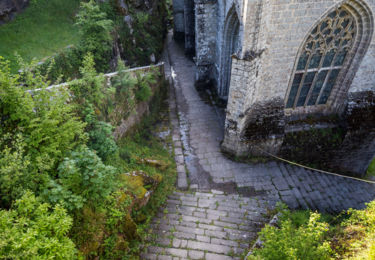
{"points": [[305, 88], [302, 61], [323, 56], [329, 58], [329, 40], [323, 26], [345, 23], [328, 87], [340, 58], [315, 61], [317, 87], [343, 13], [294, 90], [332, 15]]}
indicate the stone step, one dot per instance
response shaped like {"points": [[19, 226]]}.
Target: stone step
{"points": [[193, 250]]}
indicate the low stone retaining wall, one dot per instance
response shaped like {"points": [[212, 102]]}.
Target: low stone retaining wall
{"points": [[141, 109]]}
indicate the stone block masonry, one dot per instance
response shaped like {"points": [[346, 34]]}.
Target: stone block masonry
{"points": [[254, 49], [205, 37], [220, 222]]}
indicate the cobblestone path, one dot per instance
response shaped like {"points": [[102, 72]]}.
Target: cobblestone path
{"points": [[227, 201], [206, 226]]}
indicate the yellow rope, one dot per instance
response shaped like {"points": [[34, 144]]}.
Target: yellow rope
{"points": [[309, 168]]}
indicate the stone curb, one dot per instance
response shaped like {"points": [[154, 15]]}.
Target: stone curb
{"points": [[182, 181]]}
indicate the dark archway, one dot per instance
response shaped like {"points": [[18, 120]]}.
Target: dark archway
{"points": [[230, 46]]}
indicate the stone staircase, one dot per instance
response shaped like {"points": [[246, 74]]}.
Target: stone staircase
{"points": [[206, 226]]}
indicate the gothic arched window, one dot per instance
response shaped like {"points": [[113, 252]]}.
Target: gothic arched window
{"points": [[323, 56]]}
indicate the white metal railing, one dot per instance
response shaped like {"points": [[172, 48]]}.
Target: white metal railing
{"points": [[107, 76]]}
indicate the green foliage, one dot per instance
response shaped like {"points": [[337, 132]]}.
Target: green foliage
{"points": [[100, 135], [144, 83], [90, 88], [146, 36], [124, 84], [95, 29], [293, 241], [63, 65], [45, 120], [82, 178], [90, 93], [32, 230], [14, 175], [359, 234], [365, 217], [371, 169]]}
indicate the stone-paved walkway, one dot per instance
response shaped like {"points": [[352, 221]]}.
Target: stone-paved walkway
{"points": [[206, 226], [220, 220]]}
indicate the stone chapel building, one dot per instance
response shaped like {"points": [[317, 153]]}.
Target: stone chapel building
{"points": [[286, 66]]}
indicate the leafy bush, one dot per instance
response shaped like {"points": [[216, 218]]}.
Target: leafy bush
{"points": [[63, 65], [100, 135], [144, 83], [365, 217], [32, 230], [356, 238], [306, 241], [106, 231], [91, 94], [145, 35], [95, 29], [45, 120], [82, 178], [14, 175], [90, 88], [124, 84]]}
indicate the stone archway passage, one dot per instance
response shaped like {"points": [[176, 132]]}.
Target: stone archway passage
{"points": [[230, 46]]}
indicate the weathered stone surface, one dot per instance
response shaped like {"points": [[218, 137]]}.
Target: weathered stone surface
{"points": [[8, 8], [253, 49], [233, 220]]}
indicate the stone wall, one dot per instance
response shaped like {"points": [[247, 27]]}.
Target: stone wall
{"points": [[205, 37], [9, 8], [124, 123], [271, 36], [358, 148]]}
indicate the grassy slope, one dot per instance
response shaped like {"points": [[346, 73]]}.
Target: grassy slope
{"points": [[44, 27]]}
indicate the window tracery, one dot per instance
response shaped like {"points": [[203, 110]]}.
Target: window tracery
{"points": [[323, 56]]}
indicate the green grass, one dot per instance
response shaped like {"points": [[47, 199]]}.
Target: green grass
{"points": [[42, 29], [371, 169]]}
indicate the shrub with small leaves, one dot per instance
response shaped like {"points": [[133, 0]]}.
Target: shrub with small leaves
{"points": [[95, 29], [90, 94], [144, 85], [100, 136], [14, 174], [82, 178], [40, 127], [307, 241], [34, 230]]}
